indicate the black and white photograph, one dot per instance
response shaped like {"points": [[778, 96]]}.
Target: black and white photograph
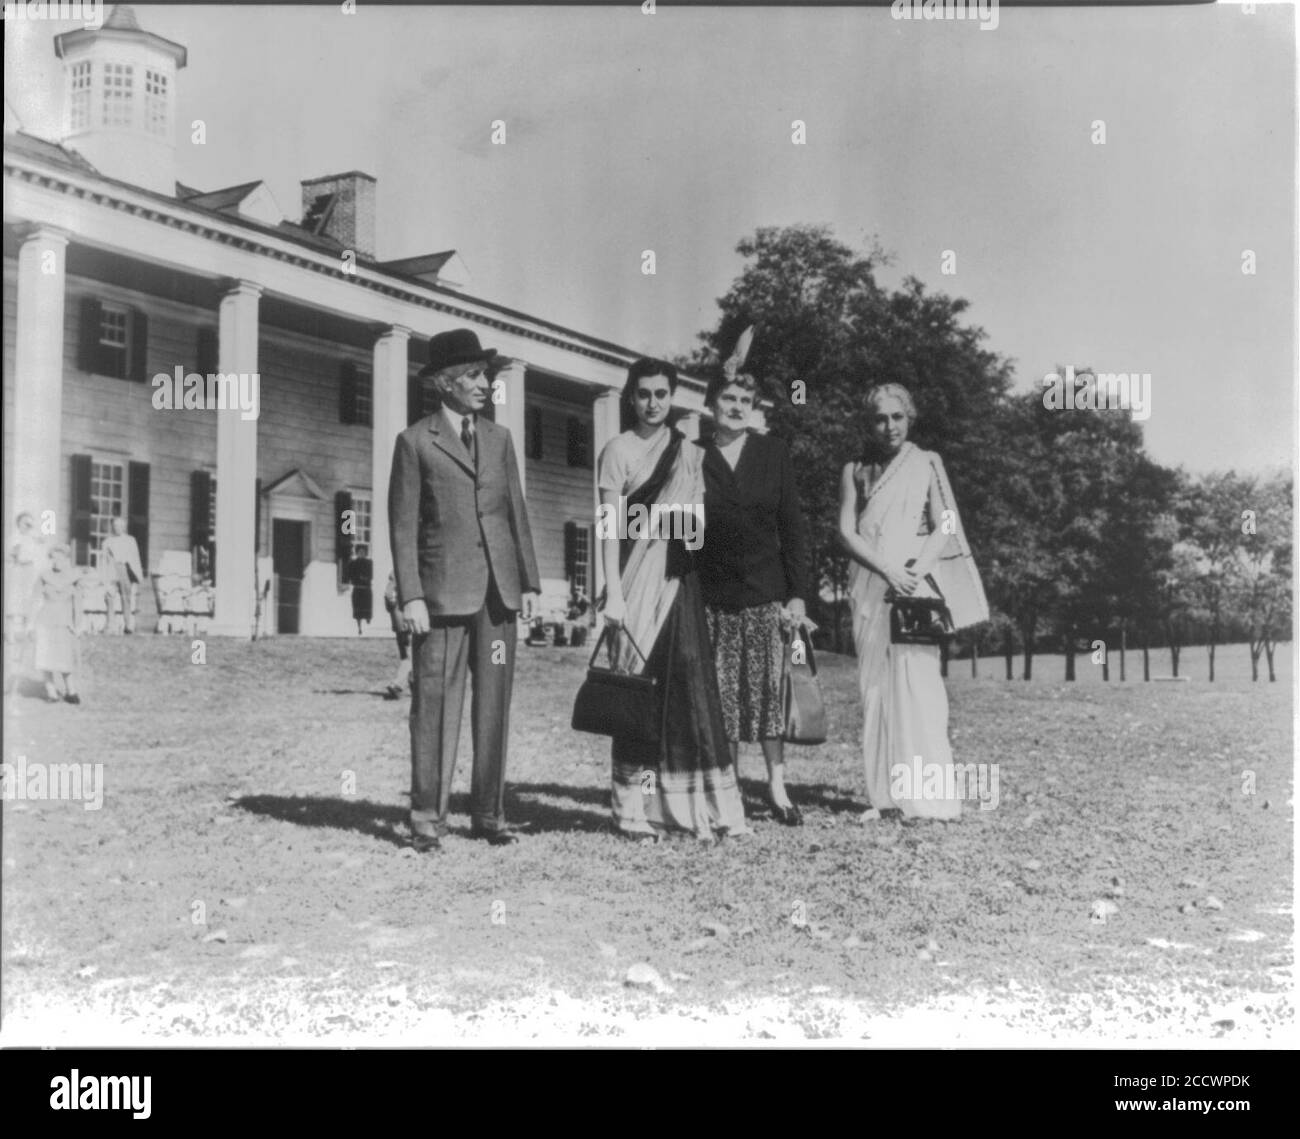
{"points": [[648, 525]]}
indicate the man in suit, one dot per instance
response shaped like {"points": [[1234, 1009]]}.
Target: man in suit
{"points": [[464, 563]]}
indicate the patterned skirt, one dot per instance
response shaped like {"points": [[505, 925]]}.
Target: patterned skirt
{"points": [[748, 653]]}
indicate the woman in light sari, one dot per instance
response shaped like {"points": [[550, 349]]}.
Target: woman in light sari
{"points": [[687, 781], [899, 522]]}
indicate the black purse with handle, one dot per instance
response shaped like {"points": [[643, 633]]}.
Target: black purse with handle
{"points": [[612, 702], [919, 620]]}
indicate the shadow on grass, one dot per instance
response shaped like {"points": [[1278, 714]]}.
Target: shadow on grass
{"points": [[582, 809], [823, 797], [378, 820], [347, 692], [535, 808]]}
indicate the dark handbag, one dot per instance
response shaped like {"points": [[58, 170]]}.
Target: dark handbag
{"points": [[615, 703], [803, 713], [919, 620]]}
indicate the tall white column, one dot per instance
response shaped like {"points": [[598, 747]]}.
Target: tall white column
{"points": [[388, 420], [605, 422], [236, 469], [38, 376], [510, 412]]}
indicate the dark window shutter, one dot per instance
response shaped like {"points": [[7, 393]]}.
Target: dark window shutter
{"points": [[88, 349], [208, 352], [257, 518], [414, 399], [79, 532], [200, 497], [342, 541], [578, 442], [534, 450], [138, 367], [348, 392], [570, 549], [137, 502]]}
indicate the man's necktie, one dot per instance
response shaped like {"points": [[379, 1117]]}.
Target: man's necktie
{"points": [[467, 437]]}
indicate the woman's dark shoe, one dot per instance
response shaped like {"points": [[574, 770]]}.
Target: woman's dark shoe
{"points": [[638, 838], [789, 816], [392, 692], [72, 698]]}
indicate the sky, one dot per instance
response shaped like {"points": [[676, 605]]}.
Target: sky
{"points": [[672, 132]]}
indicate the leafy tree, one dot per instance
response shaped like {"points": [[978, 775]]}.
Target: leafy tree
{"points": [[1259, 580], [826, 332]]}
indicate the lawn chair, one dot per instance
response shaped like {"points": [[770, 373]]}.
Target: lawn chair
{"points": [[183, 606], [172, 585], [94, 598]]}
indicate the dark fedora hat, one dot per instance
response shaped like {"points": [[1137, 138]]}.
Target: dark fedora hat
{"points": [[459, 346]]}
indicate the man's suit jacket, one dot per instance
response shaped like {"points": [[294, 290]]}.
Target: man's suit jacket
{"points": [[450, 528]]}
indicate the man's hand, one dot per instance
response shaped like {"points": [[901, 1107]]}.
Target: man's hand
{"points": [[416, 615], [531, 605]]}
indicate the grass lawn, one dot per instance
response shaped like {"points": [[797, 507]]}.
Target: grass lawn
{"points": [[247, 876]]}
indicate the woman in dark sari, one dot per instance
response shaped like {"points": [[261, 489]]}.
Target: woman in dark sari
{"points": [[686, 782]]}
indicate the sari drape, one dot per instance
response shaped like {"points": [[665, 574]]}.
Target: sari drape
{"points": [[904, 701], [686, 782]]}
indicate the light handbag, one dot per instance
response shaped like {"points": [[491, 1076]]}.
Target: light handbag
{"points": [[612, 702], [803, 713]]}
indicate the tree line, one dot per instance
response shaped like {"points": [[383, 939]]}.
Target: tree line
{"points": [[1085, 543]]}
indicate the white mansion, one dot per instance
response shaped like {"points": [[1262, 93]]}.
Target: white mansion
{"points": [[115, 272]]}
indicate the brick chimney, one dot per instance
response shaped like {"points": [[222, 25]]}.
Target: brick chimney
{"points": [[342, 206]]}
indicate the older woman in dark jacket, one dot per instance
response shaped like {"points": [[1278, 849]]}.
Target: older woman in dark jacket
{"points": [[753, 571]]}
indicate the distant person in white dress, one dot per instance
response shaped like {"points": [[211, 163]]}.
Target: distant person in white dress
{"points": [[120, 564], [25, 561]]}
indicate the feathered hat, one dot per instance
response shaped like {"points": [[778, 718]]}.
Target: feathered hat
{"points": [[732, 365]]}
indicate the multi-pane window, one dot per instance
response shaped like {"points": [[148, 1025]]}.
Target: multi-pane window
{"points": [[361, 507], [114, 326], [107, 501], [362, 408], [119, 81], [581, 559], [212, 509], [156, 109], [79, 97]]}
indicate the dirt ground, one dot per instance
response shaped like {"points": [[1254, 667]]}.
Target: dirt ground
{"points": [[246, 878]]}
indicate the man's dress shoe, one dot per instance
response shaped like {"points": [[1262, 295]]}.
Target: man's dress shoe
{"points": [[498, 838]]}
